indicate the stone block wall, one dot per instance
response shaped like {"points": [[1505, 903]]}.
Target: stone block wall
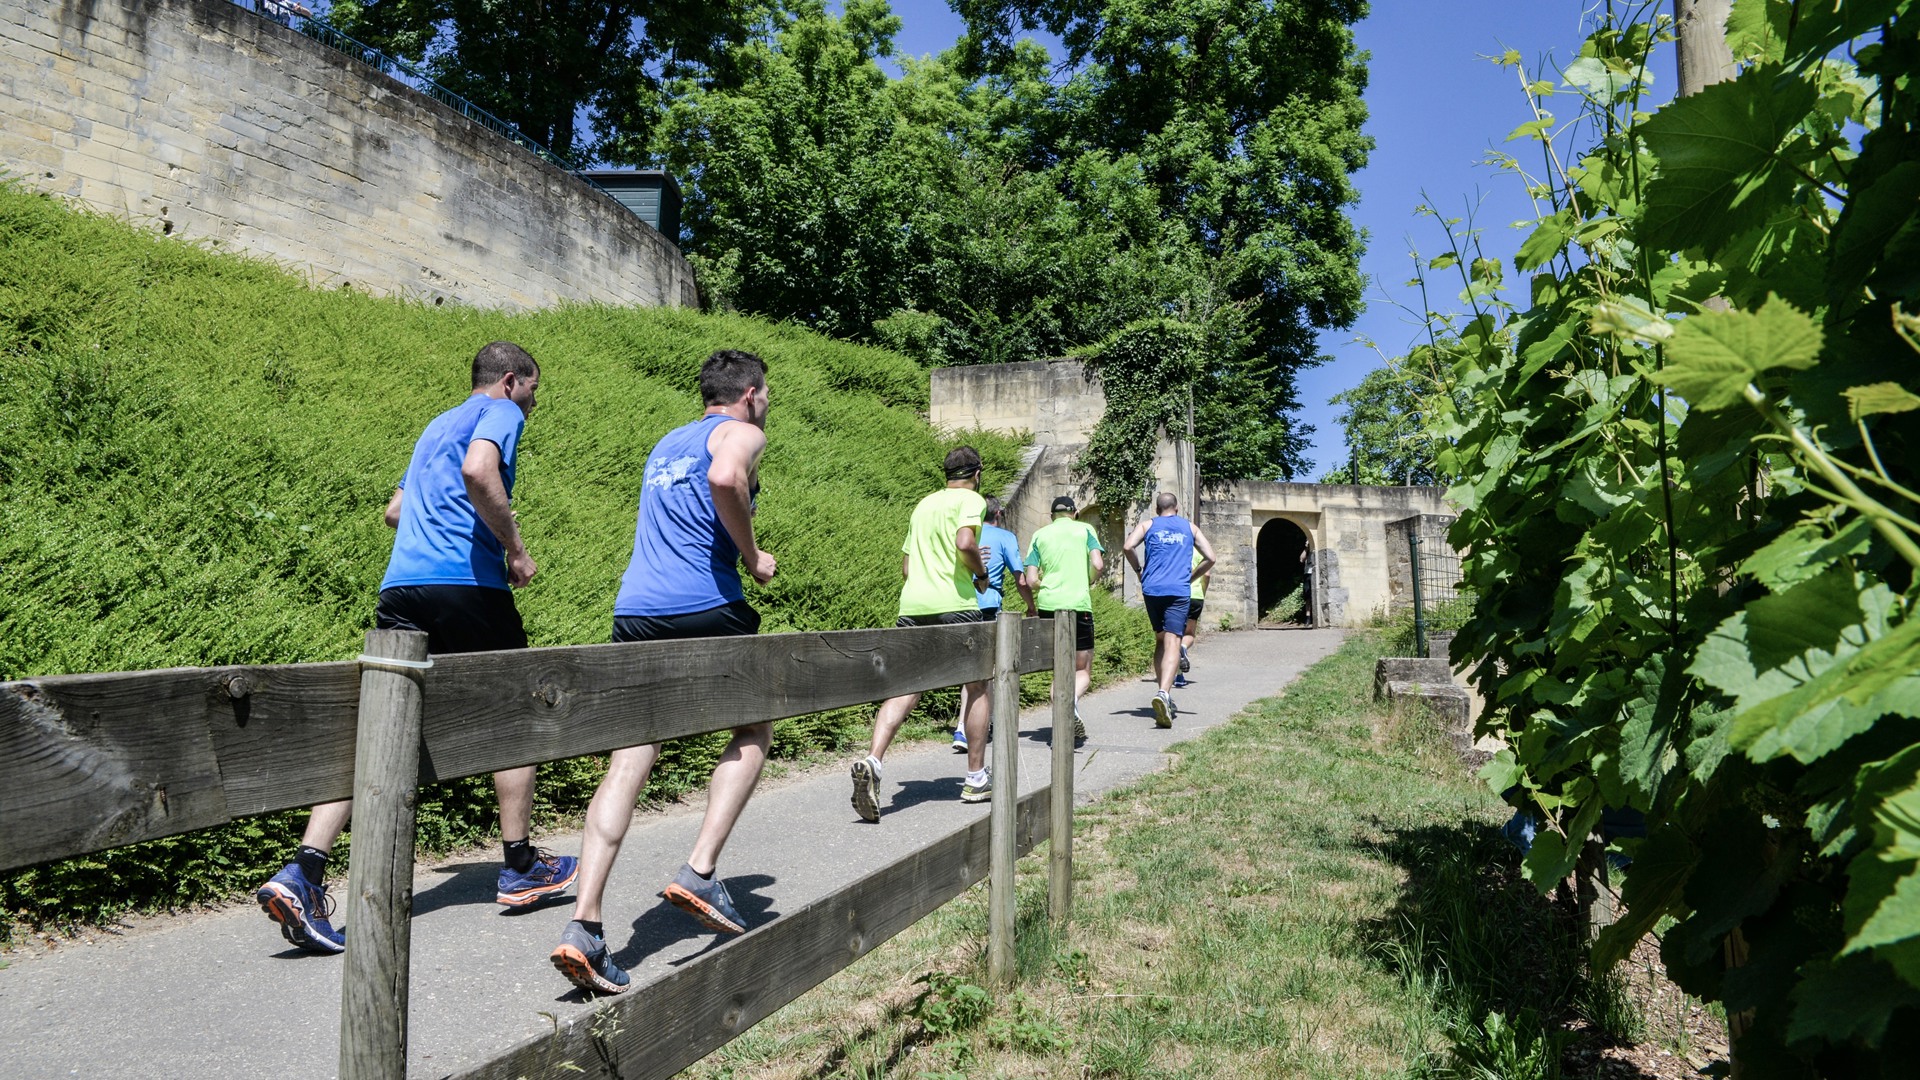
{"points": [[203, 120]]}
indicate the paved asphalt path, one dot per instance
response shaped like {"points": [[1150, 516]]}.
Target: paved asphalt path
{"points": [[219, 994]]}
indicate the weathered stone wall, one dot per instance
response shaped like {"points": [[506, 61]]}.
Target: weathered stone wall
{"points": [[208, 122]]}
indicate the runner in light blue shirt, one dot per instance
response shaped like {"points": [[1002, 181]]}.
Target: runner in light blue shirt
{"points": [[1000, 549]]}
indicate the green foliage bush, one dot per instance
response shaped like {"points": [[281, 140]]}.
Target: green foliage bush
{"points": [[195, 451]]}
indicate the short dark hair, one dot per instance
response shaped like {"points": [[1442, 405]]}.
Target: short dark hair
{"points": [[962, 462], [993, 511], [498, 359], [729, 373], [1165, 501]]}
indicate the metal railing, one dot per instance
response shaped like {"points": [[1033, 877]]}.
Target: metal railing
{"points": [[1435, 567], [406, 74]]}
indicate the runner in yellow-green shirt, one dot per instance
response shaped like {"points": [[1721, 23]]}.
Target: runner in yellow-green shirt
{"points": [[942, 568], [1062, 563], [1196, 601]]}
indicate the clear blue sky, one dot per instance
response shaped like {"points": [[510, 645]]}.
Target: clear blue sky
{"points": [[1436, 109]]}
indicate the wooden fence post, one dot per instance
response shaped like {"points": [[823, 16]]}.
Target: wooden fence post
{"points": [[1005, 696], [386, 773], [1060, 851]]}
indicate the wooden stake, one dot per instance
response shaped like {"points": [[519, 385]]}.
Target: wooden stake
{"points": [[1006, 787], [386, 770], [1060, 851]]}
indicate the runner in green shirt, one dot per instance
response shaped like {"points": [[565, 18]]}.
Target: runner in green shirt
{"points": [[1196, 602], [1062, 563], [942, 568]]}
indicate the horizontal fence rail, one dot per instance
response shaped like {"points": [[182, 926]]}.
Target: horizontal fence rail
{"points": [[89, 762], [658, 1029]]}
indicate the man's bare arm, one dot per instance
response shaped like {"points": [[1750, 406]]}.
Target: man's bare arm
{"points": [[736, 451], [488, 493], [1128, 549], [968, 543], [393, 508]]}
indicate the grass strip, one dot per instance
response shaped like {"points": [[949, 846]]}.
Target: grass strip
{"points": [[1314, 889]]}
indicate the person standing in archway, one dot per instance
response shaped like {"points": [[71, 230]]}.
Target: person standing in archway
{"points": [[1167, 573]]}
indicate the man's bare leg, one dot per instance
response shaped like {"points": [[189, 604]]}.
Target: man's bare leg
{"points": [[608, 816], [976, 718], [734, 778], [514, 789], [887, 720], [325, 823]]}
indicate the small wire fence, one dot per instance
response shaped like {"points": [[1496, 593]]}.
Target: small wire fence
{"points": [[1435, 572], [296, 17]]}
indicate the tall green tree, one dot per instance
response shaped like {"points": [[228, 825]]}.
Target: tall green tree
{"points": [[1245, 116], [1389, 424], [543, 64]]}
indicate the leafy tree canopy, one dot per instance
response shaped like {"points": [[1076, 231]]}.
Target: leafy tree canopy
{"points": [[1389, 424], [1189, 161]]}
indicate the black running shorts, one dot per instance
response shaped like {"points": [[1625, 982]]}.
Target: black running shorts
{"points": [[1082, 628], [1194, 608], [945, 618], [733, 619], [455, 618]]}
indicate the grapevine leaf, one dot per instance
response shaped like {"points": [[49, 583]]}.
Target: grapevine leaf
{"points": [[1757, 29], [1803, 551], [1552, 856], [1874, 215], [1548, 238], [1629, 317], [1826, 24], [1851, 998], [1737, 876], [1714, 354], [1886, 397], [1532, 129], [1719, 174], [1501, 771], [1655, 884], [1882, 905], [1846, 694], [1442, 262]]}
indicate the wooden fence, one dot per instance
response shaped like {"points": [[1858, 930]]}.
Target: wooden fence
{"points": [[89, 762]]}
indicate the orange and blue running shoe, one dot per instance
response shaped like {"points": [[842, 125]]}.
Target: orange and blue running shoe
{"points": [[549, 874], [705, 899], [302, 909]]}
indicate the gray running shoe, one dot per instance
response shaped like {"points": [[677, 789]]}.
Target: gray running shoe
{"points": [[866, 790], [980, 792], [1079, 726], [1163, 713], [583, 959], [705, 899], [1185, 664]]}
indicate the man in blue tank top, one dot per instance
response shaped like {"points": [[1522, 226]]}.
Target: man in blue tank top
{"points": [[1168, 541], [457, 554], [695, 531]]}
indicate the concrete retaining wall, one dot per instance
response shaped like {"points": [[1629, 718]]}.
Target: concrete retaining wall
{"points": [[208, 122]]}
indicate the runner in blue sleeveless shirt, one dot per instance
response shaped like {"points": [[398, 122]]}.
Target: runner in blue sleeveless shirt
{"points": [[693, 532], [1168, 541]]}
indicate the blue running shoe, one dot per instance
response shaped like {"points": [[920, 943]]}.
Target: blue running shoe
{"points": [[1179, 682], [705, 899], [302, 910], [583, 959], [959, 740], [549, 874]]}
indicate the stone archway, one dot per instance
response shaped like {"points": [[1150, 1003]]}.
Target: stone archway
{"points": [[1278, 556]]}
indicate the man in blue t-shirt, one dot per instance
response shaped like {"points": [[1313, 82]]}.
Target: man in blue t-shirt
{"points": [[457, 556], [694, 532], [1166, 579], [1000, 550]]}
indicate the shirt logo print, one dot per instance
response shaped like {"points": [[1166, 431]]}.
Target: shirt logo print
{"points": [[664, 474]]}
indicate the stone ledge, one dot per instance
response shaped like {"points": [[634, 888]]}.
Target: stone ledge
{"points": [[1409, 669]]}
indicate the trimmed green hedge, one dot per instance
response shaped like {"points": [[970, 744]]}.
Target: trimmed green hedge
{"points": [[195, 450]]}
